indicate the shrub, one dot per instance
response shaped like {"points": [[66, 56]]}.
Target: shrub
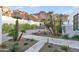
{"points": [[5, 27], [25, 43], [14, 47], [65, 48], [27, 39], [49, 46], [76, 37], [33, 26], [11, 27], [31, 39], [12, 34], [16, 44], [66, 36], [24, 27], [3, 45]]}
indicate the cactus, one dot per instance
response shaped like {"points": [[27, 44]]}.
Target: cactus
{"points": [[16, 27], [16, 30]]}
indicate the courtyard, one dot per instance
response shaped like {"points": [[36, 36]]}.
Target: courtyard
{"points": [[40, 32]]}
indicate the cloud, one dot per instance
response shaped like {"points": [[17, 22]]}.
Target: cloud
{"points": [[76, 6]]}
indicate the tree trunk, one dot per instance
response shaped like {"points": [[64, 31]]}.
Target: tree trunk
{"points": [[50, 31], [52, 25], [20, 36], [48, 28]]}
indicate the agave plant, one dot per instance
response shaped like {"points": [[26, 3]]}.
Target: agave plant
{"points": [[65, 48], [14, 47]]}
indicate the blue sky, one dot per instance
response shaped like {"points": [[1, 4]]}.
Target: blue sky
{"points": [[36, 9]]}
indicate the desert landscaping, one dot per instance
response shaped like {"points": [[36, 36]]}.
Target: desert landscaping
{"points": [[43, 31]]}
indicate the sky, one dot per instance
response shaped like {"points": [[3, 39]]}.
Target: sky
{"points": [[36, 9]]}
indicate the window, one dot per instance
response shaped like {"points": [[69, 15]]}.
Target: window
{"points": [[75, 22]]}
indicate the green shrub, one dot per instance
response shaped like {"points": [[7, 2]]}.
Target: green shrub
{"points": [[16, 44], [49, 46], [25, 43], [65, 48], [33, 26], [27, 39], [3, 45], [5, 28], [11, 27], [66, 37], [31, 39], [14, 47], [24, 27], [76, 37], [12, 33]]}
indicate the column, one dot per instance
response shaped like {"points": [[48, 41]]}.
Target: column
{"points": [[0, 26]]}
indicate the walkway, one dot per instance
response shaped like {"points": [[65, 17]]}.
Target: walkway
{"points": [[5, 36], [36, 47], [42, 40], [29, 32]]}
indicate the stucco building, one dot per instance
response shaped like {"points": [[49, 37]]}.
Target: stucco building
{"points": [[71, 26]]}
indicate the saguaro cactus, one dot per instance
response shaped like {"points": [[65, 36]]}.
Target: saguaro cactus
{"points": [[16, 27], [16, 30]]}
